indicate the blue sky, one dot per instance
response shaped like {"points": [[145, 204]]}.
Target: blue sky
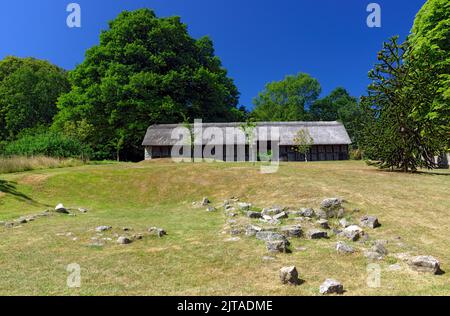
{"points": [[258, 40]]}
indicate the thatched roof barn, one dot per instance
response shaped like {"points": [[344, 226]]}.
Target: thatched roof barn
{"points": [[330, 140]]}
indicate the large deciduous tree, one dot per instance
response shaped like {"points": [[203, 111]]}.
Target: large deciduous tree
{"points": [[145, 70], [287, 100], [29, 89], [429, 58], [339, 105]]}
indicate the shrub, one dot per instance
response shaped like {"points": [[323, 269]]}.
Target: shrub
{"points": [[356, 154], [48, 144]]}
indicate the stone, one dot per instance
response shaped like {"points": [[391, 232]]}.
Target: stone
{"points": [[157, 231], [427, 264], [236, 231], [394, 267], [82, 210], [321, 214], [268, 258], [307, 212], [301, 248], [343, 248], [379, 247], [340, 213], [369, 221], [344, 223], [331, 203], [277, 246], [138, 236], [269, 236], [244, 206], [251, 214], [373, 255], [61, 209], [252, 230], [211, 209], [352, 232], [323, 223], [22, 220], [331, 286], [317, 234], [280, 216], [123, 240], [271, 211], [289, 275], [102, 228], [232, 239], [291, 231], [126, 229], [205, 201]]}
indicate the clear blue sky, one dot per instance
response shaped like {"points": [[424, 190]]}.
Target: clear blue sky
{"points": [[258, 40]]}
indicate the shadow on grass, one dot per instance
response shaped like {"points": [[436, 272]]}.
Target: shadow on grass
{"points": [[9, 187]]}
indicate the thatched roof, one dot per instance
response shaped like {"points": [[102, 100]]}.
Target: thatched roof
{"points": [[323, 133]]}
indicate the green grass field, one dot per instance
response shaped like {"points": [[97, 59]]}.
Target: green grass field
{"points": [[194, 259]]}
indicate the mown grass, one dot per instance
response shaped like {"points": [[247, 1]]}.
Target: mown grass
{"points": [[194, 258]]}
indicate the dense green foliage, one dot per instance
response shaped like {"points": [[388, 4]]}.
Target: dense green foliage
{"points": [[47, 144], [393, 136], [29, 89], [287, 100], [145, 70], [339, 105], [430, 60]]}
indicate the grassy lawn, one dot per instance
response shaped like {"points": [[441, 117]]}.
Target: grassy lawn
{"points": [[194, 259]]}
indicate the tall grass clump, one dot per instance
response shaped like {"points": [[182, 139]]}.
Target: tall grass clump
{"points": [[21, 163]]}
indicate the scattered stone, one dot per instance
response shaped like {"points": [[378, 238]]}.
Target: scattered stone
{"points": [[369, 221], [252, 230], [157, 231], [323, 223], [123, 240], [280, 216], [340, 213], [425, 264], [231, 221], [236, 231], [252, 214], [231, 214], [289, 275], [331, 203], [232, 239], [352, 232], [373, 255], [291, 231], [307, 212], [344, 223], [403, 256], [317, 234], [244, 206], [138, 237], [103, 228], [22, 220], [61, 209], [277, 246], [126, 229], [269, 236], [331, 286], [271, 211], [82, 210], [321, 214], [394, 267], [211, 209], [379, 248], [205, 201], [343, 248]]}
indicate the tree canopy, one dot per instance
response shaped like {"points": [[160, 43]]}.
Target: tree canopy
{"points": [[429, 57], [287, 100], [29, 89], [145, 70]]}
